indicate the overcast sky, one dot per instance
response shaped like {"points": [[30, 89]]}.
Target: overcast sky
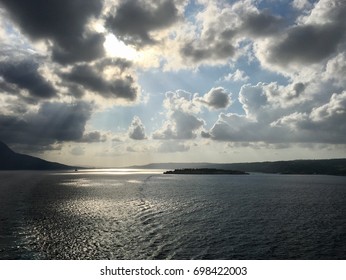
{"points": [[117, 83]]}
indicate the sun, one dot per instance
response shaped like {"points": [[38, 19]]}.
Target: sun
{"points": [[117, 48]]}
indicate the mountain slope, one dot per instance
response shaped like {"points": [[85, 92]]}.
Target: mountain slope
{"points": [[9, 160]]}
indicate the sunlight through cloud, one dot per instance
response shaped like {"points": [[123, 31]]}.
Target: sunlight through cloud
{"points": [[117, 48]]}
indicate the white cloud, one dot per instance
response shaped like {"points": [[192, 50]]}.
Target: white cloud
{"points": [[322, 124], [336, 70], [301, 4], [335, 109], [181, 125], [136, 129], [237, 76]]}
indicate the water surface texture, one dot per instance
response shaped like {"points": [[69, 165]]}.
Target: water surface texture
{"points": [[137, 214]]}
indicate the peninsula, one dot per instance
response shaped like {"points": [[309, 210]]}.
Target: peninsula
{"points": [[207, 171]]}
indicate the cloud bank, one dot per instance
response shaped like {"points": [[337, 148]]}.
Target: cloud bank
{"points": [[268, 73]]}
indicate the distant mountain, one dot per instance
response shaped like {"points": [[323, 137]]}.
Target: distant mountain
{"points": [[10, 160], [324, 166]]}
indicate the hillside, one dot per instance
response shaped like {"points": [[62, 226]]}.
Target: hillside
{"points": [[10, 160]]}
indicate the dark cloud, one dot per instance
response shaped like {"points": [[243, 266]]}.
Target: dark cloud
{"points": [[85, 49], [37, 149], [216, 98], [205, 134], [307, 44], [61, 21], [24, 75], [54, 122], [120, 63], [298, 89], [86, 76], [261, 24], [136, 129], [134, 20], [93, 137], [218, 51]]}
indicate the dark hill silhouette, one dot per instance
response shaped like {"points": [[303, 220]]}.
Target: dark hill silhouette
{"points": [[10, 160], [321, 166]]}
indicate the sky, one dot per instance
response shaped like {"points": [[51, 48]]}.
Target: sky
{"points": [[113, 83]]}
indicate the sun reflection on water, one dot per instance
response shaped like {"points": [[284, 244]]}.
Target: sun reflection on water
{"points": [[111, 171]]}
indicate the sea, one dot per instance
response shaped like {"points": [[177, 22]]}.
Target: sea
{"points": [[133, 214]]}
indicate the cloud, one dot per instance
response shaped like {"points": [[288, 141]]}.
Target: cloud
{"points": [[336, 70], [25, 75], [93, 137], [324, 124], [210, 40], [90, 78], [307, 44], [199, 53], [130, 149], [237, 76], [51, 51], [301, 4], [172, 147], [254, 100], [218, 39], [87, 48], [133, 21], [216, 98], [53, 122], [181, 100], [136, 129], [315, 38], [235, 128], [181, 123], [77, 151], [265, 120], [62, 22], [335, 109], [260, 23]]}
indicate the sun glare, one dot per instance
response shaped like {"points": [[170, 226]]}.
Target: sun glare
{"points": [[116, 48]]}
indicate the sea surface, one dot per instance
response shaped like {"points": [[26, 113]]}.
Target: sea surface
{"points": [[143, 214]]}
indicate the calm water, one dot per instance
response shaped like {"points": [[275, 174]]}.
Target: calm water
{"points": [[139, 215]]}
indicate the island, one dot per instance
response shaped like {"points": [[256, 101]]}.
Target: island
{"points": [[207, 171]]}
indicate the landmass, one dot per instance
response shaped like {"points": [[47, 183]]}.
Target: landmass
{"points": [[10, 160], [211, 171], [300, 167]]}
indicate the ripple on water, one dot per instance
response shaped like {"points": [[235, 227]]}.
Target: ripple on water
{"points": [[93, 216]]}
